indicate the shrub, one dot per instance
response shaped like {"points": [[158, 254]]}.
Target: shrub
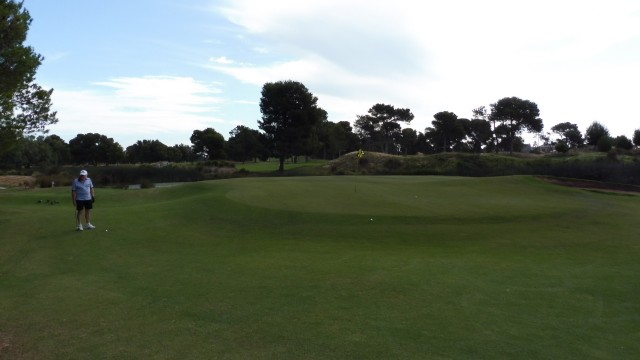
{"points": [[605, 144], [562, 147], [147, 184], [623, 142]]}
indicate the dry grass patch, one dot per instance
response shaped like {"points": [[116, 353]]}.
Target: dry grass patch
{"points": [[17, 180]]}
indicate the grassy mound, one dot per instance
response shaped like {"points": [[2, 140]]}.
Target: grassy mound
{"points": [[623, 169], [367, 267]]}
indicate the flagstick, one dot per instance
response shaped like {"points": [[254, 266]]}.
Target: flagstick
{"points": [[359, 155]]}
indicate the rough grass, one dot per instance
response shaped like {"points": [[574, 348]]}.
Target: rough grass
{"points": [[17, 181], [623, 169], [270, 167], [323, 267]]}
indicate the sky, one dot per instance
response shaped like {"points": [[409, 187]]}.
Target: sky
{"points": [[160, 69]]}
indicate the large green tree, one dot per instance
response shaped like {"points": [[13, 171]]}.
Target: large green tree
{"points": [[569, 133], [25, 107], [94, 148], [208, 144], [181, 152], [481, 113], [409, 142], [382, 125], [147, 151], [446, 130], [336, 139], [636, 137], [60, 149], [246, 144], [516, 115], [479, 133], [290, 115]]}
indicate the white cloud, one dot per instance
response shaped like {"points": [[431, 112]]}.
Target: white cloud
{"points": [[454, 55], [222, 60], [131, 109]]}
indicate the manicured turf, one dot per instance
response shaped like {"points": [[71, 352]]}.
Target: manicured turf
{"points": [[323, 268]]}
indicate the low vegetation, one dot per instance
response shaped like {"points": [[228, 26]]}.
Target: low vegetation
{"points": [[623, 168], [613, 168]]}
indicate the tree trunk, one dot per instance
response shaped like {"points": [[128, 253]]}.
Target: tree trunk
{"points": [[281, 168]]}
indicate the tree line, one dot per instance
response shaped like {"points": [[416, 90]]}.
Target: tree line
{"points": [[292, 124]]}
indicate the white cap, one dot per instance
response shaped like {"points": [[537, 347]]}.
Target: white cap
{"points": [[83, 172]]}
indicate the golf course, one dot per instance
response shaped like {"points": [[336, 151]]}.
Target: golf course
{"points": [[323, 267]]}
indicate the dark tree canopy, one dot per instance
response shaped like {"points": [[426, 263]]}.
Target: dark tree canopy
{"points": [[246, 144], [516, 115], [25, 107], [595, 132], [636, 138], [290, 115], [569, 133], [93, 148], [481, 113], [382, 125], [60, 149], [623, 142], [409, 142], [147, 151], [208, 144], [336, 139], [479, 133], [446, 130]]}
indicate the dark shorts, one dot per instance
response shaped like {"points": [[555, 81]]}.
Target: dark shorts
{"points": [[84, 204]]}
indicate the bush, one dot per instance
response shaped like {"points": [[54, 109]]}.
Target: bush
{"points": [[146, 184], [623, 142], [562, 147], [605, 144]]}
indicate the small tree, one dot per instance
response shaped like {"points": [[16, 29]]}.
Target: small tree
{"points": [[562, 147], [595, 132], [636, 138]]}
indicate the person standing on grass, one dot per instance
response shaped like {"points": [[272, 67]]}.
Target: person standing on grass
{"points": [[83, 196]]}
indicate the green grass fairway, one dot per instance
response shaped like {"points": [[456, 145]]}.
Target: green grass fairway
{"points": [[335, 267]]}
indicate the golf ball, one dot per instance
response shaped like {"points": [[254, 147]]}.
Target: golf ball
{"points": [[106, 230]]}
